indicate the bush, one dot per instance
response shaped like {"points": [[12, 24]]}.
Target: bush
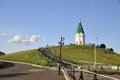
{"points": [[103, 46], [110, 49], [2, 53]]}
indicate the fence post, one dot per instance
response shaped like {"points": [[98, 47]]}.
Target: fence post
{"points": [[74, 78], [117, 70], [101, 68], [88, 67], [81, 75], [71, 72], [68, 70], [95, 76]]}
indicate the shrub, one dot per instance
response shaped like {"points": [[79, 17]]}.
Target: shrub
{"points": [[103, 46]]}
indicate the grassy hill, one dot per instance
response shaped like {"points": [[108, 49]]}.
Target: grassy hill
{"points": [[29, 56], [72, 53], [85, 54]]}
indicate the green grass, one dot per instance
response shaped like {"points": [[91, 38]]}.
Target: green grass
{"points": [[30, 56], [108, 73], [71, 53], [85, 54]]}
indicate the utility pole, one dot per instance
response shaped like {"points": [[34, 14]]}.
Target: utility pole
{"points": [[61, 43]]}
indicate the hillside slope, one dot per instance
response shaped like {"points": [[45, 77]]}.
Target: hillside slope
{"points": [[29, 56], [71, 53], [85, 54]]}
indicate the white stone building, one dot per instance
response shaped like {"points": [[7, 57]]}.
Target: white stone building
{"points": [[80, 35]]}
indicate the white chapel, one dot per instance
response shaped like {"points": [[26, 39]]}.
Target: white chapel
{"points": [[80, 35]]}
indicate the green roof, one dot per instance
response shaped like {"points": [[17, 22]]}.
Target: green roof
{"points": [[80, 28]]}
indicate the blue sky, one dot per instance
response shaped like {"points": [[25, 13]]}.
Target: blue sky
{"points": [[29, 24]]}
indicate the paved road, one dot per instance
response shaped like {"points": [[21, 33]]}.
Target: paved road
{"points": [[15, 71]]}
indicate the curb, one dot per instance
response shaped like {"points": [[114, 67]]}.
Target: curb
{"points": [[65, 75]]}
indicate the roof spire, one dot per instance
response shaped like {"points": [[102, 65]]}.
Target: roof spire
{"points": [[79, 20], [80, 28]]}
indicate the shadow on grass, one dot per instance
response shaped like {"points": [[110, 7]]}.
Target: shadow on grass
{"points": [[6, 65], [11, 75]]}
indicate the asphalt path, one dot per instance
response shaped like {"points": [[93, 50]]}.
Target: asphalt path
{"points": [[17, 71]]}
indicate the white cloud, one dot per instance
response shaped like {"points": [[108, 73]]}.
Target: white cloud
{"points": [[16, 39], [3, 35], [34, 38], [24, 40]]}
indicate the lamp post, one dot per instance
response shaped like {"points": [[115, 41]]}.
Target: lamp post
{"points": [[95, 54], [95, 76], [61, 43], [96, 39]]}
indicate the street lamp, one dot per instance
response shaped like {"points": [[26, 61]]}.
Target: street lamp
{"points": [[61, 43], [95, 53]]}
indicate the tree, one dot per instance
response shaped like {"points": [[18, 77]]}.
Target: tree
{"points": [[110, 49], [2, 53], [103, 46]]}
